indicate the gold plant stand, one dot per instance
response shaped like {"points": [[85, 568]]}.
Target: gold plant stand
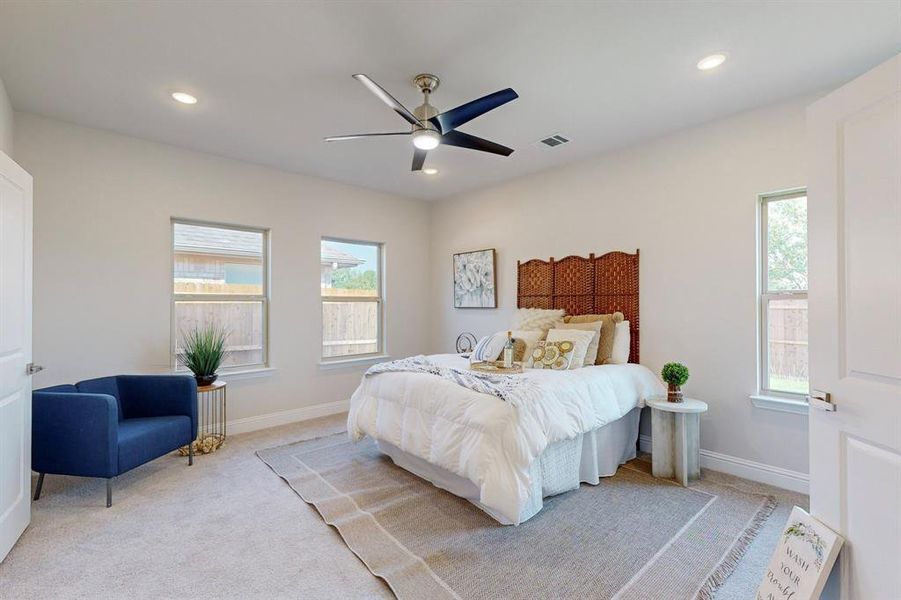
{"points": [[211, 417]]}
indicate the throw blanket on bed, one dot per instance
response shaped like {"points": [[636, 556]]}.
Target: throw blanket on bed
{"points": [[509, 388]]}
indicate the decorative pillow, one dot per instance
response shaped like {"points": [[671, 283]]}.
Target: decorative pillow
{"points": [[489, 347], [622, 341], [536, 319], [605, 346], [580, 339], [551, 355], [591, 354], [529, 340], [519, 350]]}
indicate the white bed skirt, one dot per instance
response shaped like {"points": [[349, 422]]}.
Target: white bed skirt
{"points": [[560, 468]]}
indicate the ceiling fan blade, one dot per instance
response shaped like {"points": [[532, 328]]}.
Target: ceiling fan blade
{"points": [[387, 98], [453, 118], [353, 136], [418, 159], [464, 140]]}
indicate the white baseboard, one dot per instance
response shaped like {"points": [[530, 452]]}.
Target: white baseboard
{"points": [[755, 471], [284, 417], [644, 443], [748, 469]]}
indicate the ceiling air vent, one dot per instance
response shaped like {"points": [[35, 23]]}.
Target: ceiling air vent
{"points": [[554, 140]]}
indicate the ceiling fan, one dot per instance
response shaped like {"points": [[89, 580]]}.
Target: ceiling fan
{"points": [[431, 128]]}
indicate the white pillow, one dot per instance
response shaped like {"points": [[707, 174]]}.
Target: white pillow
{"points": [[579, 338], [622, 340], [489, 347], [592, 353], [536, 319], [531, 338]]}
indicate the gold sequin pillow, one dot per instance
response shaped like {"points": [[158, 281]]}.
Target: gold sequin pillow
{"points": [[519, 350], [551, 355]]}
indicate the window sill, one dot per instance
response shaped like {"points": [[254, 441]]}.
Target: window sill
{"points": [[252, 373], [350, 363], [797, 407]]}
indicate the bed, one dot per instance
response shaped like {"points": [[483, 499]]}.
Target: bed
{"points": [[579, 425]]}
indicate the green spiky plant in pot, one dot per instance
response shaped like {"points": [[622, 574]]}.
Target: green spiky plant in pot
{"points": [[204, 352], [675, 375]]}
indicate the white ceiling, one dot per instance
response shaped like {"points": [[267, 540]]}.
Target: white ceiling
{"points": [[274, 78]]}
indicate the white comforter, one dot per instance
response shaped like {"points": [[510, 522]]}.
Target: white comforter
{"points": [[485, 439]]}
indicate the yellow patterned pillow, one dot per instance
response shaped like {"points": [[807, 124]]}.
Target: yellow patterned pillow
{"points": [[551, 355]]}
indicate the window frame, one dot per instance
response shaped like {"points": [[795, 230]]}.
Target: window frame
{"points": [[379, 299], [263, 297], [765, 296]]}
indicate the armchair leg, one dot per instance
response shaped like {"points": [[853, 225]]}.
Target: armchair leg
{"points": [[37, 489], [190, 454], [109, 492]]}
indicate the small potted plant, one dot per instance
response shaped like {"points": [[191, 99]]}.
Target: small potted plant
{"points": [[204, 351], [675, 375]]}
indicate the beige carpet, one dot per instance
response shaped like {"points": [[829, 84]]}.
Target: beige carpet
{"points": [[227, 528], [622, 539]]}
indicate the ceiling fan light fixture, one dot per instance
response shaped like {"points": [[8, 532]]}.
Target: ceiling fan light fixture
{"points": [[426, 139], [430, 171], [432, 128]]}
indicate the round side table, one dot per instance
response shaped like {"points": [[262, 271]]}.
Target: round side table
{"points": [[675, 438], [211, 418]]}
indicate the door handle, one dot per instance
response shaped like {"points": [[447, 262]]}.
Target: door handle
{"points": [[31, 369], [821, 400]]}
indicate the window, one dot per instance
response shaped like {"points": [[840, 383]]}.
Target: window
{"points": [[352, 304], [220, 279], [783, 294]]}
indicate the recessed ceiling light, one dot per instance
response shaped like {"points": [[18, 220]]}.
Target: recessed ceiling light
{"points": [[430, 171], [184, 98], [711, 62]]}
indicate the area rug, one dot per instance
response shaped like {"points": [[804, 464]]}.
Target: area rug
{"points": [[631, 537]]}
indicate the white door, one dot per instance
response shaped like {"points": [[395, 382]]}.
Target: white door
{"points": [[15, 352], [854, 208]]}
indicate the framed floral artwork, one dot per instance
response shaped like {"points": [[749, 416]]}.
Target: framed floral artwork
{"points": [[475, 280]]}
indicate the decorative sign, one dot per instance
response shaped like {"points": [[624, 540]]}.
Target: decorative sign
{"points": [[802, 561]]}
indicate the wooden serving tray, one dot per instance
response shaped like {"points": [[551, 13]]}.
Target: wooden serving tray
{"points": [[496, 367]]}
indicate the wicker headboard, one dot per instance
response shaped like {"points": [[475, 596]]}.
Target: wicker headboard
{"points": [[593, 285]]}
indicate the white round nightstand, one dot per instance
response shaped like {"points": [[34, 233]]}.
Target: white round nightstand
{"points": [[675, 438]]}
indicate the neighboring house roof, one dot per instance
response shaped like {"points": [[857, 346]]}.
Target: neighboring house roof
{"points": [[233, 242], [332, 255], [213, 240]]}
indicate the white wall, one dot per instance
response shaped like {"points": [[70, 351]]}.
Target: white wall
{"points": [[102, 258], [688, 202], [6, 122]]}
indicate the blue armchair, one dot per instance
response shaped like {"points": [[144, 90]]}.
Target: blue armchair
{"points": [[105, 427]]}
